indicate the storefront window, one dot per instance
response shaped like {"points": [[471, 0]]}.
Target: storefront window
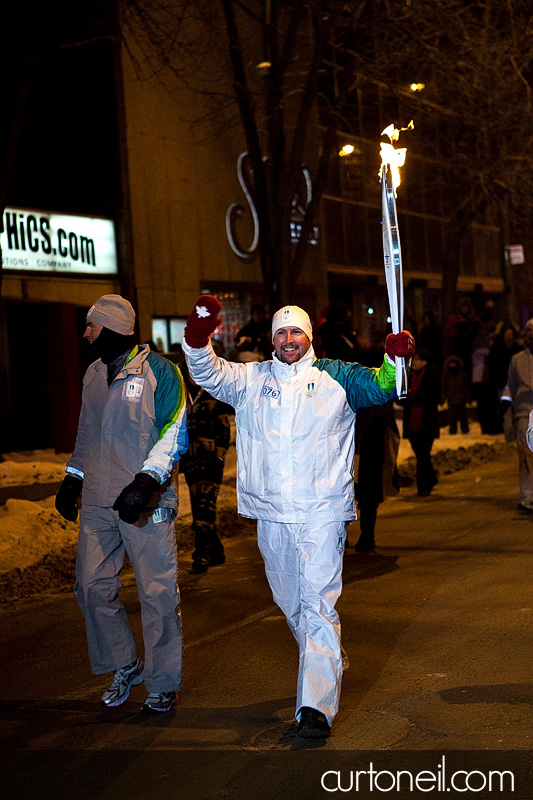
{"points": [[167, 331]]}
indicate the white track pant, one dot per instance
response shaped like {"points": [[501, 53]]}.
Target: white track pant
{"points": [[303, 564], [102, 545]]}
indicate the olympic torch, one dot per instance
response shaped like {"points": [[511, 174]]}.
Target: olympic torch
{"points": [[391, 161]]}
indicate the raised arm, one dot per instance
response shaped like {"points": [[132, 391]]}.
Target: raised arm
{"points": [[369, 386], [223, 379]]}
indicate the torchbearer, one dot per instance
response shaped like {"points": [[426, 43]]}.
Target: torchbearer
{"points": [[295, 418], [391, 161]]}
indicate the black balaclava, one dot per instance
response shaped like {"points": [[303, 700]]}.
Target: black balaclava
{"points": [[109, 345]]}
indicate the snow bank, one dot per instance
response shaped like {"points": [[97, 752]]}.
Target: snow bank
{"points": [[13, 473], [37, 546], [29, 530]]}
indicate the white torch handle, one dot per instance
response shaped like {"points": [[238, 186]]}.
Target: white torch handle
{"points": [[392, 256]]}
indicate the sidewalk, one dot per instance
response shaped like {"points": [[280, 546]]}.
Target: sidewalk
{"points": [[35, 475], [447, 441]]}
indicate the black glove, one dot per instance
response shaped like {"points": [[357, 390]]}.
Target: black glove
{"points": [[66, 497], [134, 498], [503, 408]]}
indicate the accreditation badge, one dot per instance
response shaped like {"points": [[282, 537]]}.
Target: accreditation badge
{"points": [[133, 388]]}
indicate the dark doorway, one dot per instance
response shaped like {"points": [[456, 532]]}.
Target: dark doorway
{"points": [[29, 421], [42, 381]]}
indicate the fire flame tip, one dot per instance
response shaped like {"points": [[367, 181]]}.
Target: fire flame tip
{"points": [[394, 133], [392, 157]]}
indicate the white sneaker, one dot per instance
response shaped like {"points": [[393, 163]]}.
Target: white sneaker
{"points": [[345, 659], [123, 679]]}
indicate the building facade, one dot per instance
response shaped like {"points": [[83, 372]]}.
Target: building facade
{"points": [[128, 152]]}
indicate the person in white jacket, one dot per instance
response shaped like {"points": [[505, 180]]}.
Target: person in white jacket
{"points": [[295, 451]]}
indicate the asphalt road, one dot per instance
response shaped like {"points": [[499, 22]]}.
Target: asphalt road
{"points": [[437, 623]]}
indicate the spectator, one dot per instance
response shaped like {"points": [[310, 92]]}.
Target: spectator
{"points": [[505, 344], [253, 340], [409, 323], [203, 467], [295, 452], [337, 338], [456, 393], [131, 433], [377, 440], [421, 418], [430, 338], [317, 324], [483, 389], [460, 331]]}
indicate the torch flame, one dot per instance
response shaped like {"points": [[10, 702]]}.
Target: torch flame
{"points": [[392, 157]]}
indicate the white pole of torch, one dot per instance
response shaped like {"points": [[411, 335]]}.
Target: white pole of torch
{"points": [[392, 256]]}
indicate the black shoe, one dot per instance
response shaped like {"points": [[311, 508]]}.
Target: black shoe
{"points": [[200, 565], [524, 509], [424, 492], [365, 543], [313, 724], [216, 559]]}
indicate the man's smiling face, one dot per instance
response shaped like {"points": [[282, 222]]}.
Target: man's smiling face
{"points": [[290, 344]]}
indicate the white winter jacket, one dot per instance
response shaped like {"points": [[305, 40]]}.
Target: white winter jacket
{"points": [[295, 430]]}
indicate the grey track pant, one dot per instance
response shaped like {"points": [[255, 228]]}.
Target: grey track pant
{"points": [[103, 543]]}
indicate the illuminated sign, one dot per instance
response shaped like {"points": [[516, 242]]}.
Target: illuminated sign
{"points": [[42, 241], [514, 254]]}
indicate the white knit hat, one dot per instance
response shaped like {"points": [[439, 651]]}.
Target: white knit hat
{"points": [[292, 317], [113, 312]]}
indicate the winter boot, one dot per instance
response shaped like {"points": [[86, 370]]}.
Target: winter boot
{"points": [[365, 542]]}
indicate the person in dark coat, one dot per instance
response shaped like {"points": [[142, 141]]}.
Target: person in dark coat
{"points": [[483, 389], [337, 337], [377, 440], [203, 466], [456, 392], [430, 338], [421, 418], [461, 330], [253, 339], [506, 343]]}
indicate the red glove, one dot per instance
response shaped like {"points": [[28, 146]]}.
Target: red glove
{"points": [[203, 320], [400, 344]]}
